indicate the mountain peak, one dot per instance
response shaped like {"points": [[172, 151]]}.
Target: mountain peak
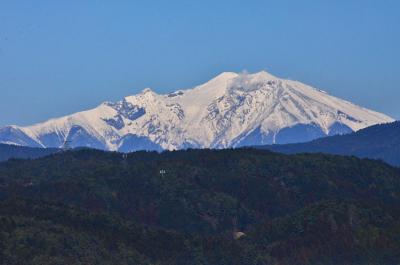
{"points": [[223, 77], [147, 90], [264, 75], [226, 75], [230, 110]]}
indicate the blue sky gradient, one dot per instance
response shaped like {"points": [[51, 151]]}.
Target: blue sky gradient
{"points": [[59, 57]]}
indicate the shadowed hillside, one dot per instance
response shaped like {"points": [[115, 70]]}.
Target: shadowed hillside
{"points": [[376, 142], [23, 152], [94, 207]]}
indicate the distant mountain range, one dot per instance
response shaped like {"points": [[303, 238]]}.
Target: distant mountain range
{"points": [[231, 110], [376, 142]]}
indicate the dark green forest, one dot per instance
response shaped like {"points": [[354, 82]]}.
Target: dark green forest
{"points": [[241, 206]]}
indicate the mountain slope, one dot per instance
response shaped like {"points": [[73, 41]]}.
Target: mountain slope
{"points": [[99, 207], [230, 110], [376, 142], [22, 152]]}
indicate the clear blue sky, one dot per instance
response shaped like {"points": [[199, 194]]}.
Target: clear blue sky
{"points": [[59, 57]]}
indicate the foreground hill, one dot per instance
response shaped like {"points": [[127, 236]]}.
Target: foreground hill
{"points": [[93, 207], [231, 110], [23, 152], [376, 142]]}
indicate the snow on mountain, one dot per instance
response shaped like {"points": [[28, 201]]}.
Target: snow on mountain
{"points": [[230, 110]]}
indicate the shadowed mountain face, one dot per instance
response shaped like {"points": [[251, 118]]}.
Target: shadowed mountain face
{"points": [[231, 110], [15, 136], [296, 134], [132, 143], [376, 142], [237, 206]]}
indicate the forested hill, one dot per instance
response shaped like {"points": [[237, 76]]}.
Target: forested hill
{"points": [[376, 142], [93, 207], [23, 152]]}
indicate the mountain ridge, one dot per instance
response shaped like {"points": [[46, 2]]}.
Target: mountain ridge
{"points": [[375, 142], [23, 152], [230, 110]]}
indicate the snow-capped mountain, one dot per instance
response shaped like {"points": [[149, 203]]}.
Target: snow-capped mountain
{"points": [[230, 110]]}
